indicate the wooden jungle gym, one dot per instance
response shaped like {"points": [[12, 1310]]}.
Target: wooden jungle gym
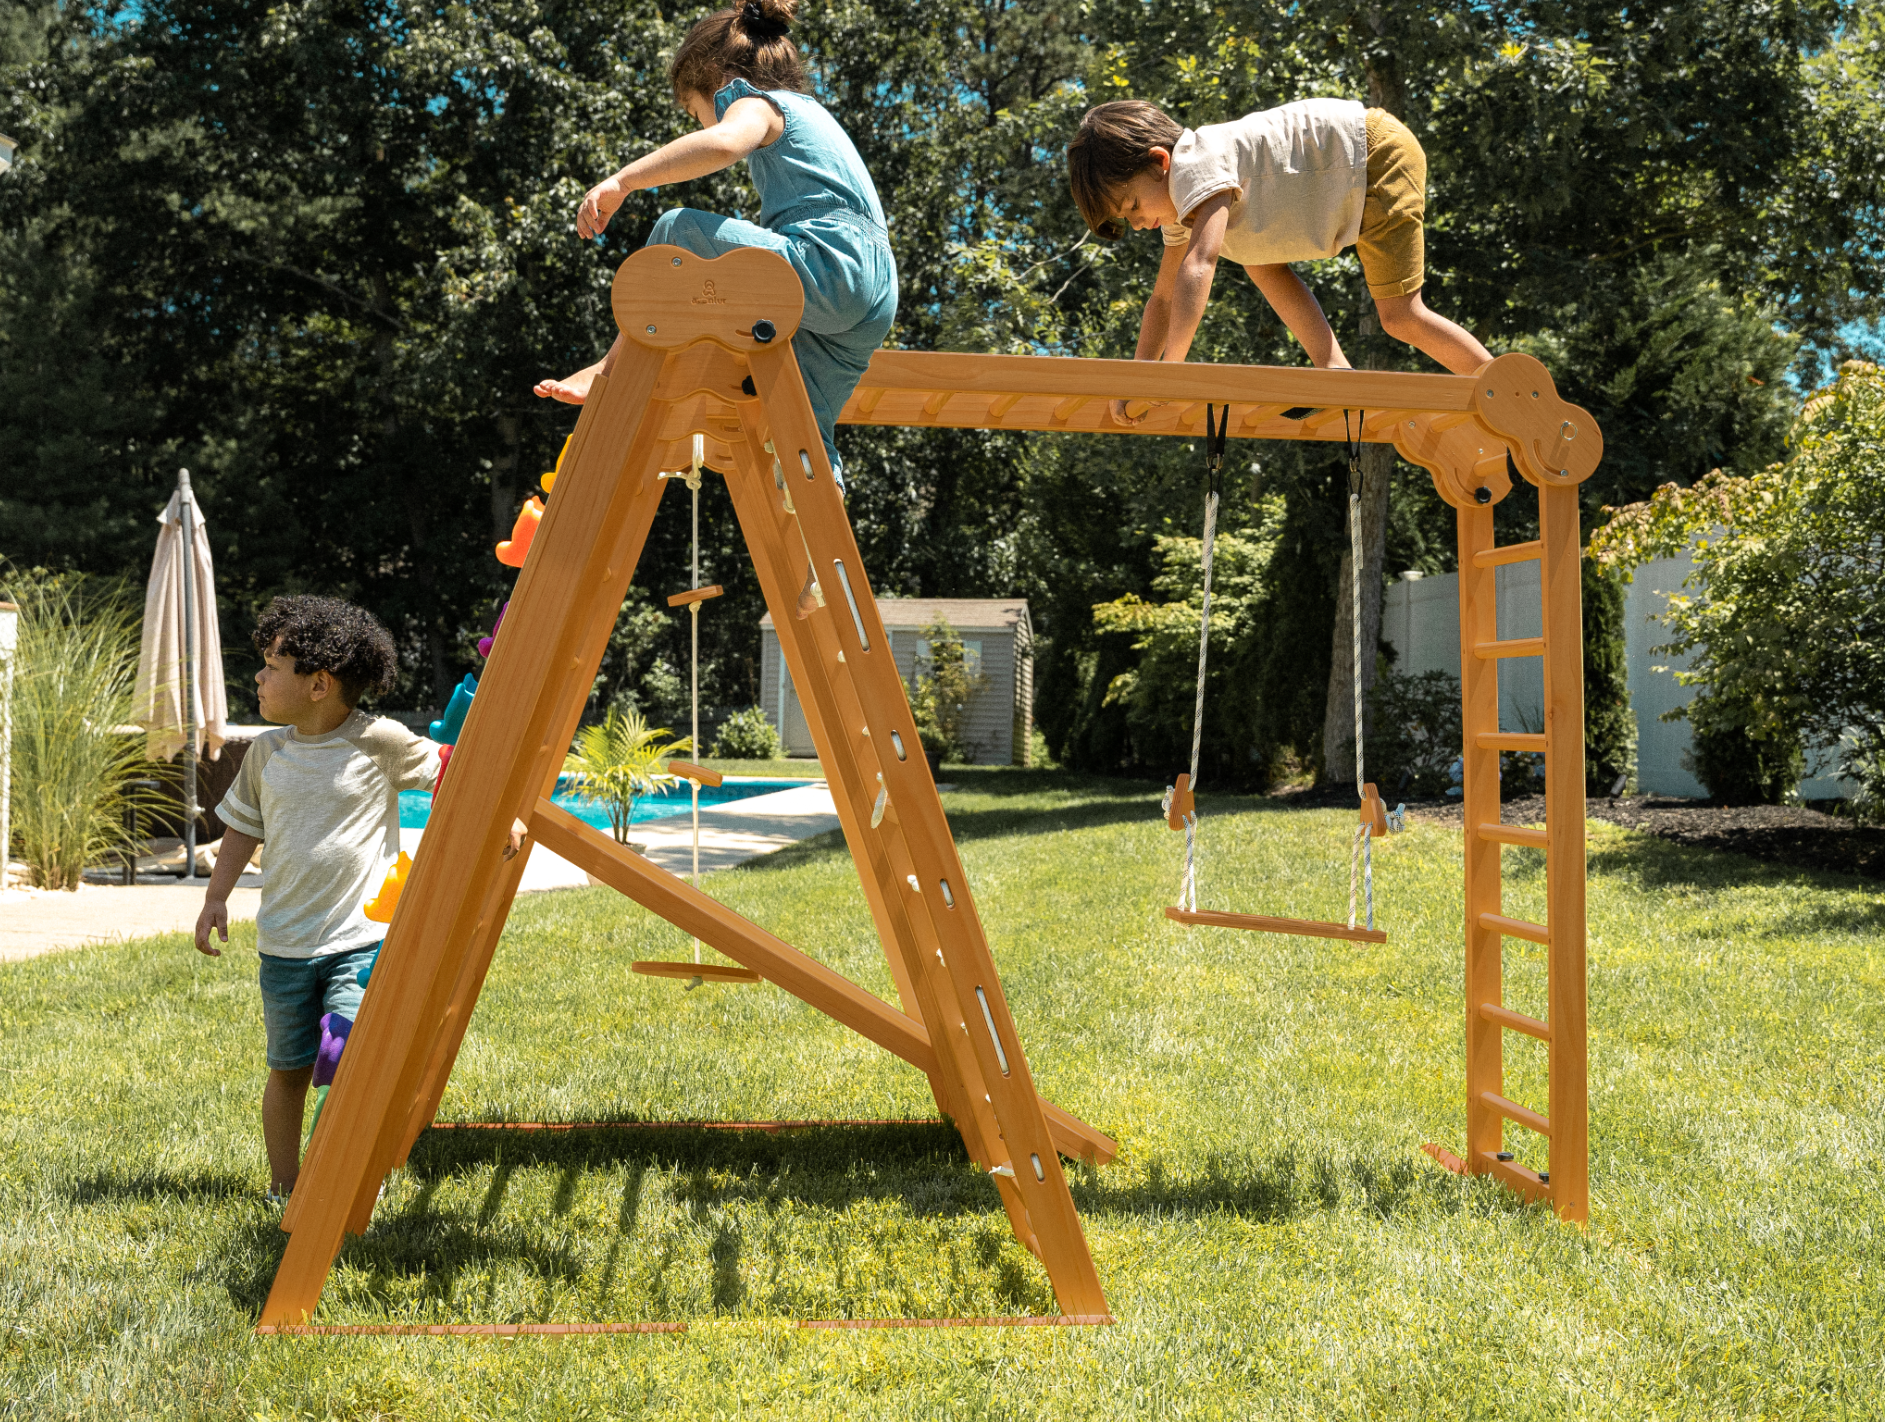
{"points": [[709, 353]]}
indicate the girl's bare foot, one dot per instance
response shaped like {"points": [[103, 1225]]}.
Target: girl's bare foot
{"points": [[808, 596], [572, 390]]}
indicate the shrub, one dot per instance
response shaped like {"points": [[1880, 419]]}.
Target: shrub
{"points": [[747, 735], [944, 688], [75, 684], [1785, 622], [1416, 733]]}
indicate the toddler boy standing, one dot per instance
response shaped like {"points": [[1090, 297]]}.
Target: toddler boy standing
{"points": [[323, 794], [1283, 185]]}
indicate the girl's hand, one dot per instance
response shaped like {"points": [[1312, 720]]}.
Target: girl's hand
{"points": [[598, 206]]}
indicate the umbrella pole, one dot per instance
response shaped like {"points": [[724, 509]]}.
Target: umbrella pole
{"points": [[187, 509]]}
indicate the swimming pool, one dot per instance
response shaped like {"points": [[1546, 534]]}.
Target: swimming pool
{"points": [[415, 806]]}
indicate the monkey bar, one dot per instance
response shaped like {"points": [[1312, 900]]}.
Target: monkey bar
{"points": [[709, 353]]}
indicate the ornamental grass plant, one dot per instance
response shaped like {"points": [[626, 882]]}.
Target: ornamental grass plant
{"points": [[74, 689]]}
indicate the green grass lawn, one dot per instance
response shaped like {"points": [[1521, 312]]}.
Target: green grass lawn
{"points": [[1271, 1239]]}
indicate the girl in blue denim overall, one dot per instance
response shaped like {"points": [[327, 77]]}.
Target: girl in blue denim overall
{"points": [[741, 79]]}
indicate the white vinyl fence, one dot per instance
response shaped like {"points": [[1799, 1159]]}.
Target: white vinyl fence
{"points": [[1420, 619]]}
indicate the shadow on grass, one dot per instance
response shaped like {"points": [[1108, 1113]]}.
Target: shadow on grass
{"points": [[101, 1188], [1652, 863], [833, 1167], [827, 1168]]}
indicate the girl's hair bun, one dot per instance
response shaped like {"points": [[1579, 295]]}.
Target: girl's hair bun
{"points": [[767, 19], [747, 41]]}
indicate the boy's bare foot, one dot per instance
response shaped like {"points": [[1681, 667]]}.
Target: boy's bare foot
{"points": [[808, 597], [572, 390]]}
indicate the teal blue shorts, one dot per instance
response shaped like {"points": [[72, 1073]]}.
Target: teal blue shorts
{"points": [[296, 992]]}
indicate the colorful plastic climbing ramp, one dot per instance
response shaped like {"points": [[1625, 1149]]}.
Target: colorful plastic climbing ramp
{"points": [[709, 353]]}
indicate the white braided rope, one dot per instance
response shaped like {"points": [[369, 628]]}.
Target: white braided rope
{"points": [[1361, 854], [1188, 890]]}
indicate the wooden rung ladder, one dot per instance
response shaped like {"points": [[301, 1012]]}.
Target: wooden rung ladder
{"points": [[1564, 1124]]}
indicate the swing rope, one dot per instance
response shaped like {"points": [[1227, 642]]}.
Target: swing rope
{"points": [[1215, 434], [1361, 851], [1361, 855]]}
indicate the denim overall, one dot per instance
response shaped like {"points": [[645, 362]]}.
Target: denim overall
{"points": [[819, 210]]}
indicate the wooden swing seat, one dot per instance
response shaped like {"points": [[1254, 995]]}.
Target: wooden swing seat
{"points": [[1262, 923]]}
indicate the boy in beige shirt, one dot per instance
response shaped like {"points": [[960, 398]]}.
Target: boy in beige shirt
{"points": [[323, 794], [1289, 184]]}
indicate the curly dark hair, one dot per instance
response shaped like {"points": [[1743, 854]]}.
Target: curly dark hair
{"points": [[326, 634]]}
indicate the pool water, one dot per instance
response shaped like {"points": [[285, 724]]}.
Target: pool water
{"points": [[415, 806]]}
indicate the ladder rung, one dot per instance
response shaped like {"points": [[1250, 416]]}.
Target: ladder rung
{"points": [[1516, 647], [1516, 1113], [1513, 1175], [1514, 927], [1511, 553], [1513, 834], [1511, 740], [1517, 1021]]}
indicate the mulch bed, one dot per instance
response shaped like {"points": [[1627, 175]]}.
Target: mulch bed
{"points": [[1782, 834]]}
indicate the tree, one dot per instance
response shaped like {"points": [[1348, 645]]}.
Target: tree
{"points": [[1785, 626]]}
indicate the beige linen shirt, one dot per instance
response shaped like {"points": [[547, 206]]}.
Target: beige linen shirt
{"points": [[328, 809], [1300, 173]]}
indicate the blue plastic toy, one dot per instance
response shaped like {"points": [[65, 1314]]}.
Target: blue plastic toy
{"points": [[445, 731]]}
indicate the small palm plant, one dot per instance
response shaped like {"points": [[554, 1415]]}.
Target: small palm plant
{"points": [[616, 763]]}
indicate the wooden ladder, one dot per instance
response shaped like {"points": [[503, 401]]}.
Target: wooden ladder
{"points": [[1565, 1184]]}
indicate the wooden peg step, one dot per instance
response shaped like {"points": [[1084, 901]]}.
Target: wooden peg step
{"points": [[706, 972], [687, 770], [681, 599]]}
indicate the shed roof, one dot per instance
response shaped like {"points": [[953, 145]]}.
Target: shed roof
{"points": [[912, 614]]}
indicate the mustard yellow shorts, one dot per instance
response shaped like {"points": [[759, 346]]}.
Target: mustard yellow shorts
{"points": [[1392, 244]]}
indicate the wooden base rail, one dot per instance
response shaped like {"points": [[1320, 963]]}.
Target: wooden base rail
{"points": [[570, 1330]]}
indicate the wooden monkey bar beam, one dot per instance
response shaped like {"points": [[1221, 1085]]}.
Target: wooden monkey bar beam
{"points": [[1057, 393]]}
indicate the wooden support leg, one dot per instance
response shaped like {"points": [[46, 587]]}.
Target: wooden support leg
{"points": [[1479, 693], [851, 761], [936, 888], [500, 767], [1561, 584], [451, 1033]]}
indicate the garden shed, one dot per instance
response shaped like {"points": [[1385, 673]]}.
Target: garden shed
{"points": [[997, 640]]}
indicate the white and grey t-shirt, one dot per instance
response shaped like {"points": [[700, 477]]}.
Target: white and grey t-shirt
{"points": [[1300, 173], [328, 809]]}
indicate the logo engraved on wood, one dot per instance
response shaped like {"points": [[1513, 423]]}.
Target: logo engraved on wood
{"points": [[708, 297]]}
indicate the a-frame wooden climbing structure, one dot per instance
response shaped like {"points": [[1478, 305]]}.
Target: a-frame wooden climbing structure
{"points": [[709, 353]]}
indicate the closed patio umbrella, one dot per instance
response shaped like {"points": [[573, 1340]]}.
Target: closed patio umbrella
{"points": [[180, 664]]}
